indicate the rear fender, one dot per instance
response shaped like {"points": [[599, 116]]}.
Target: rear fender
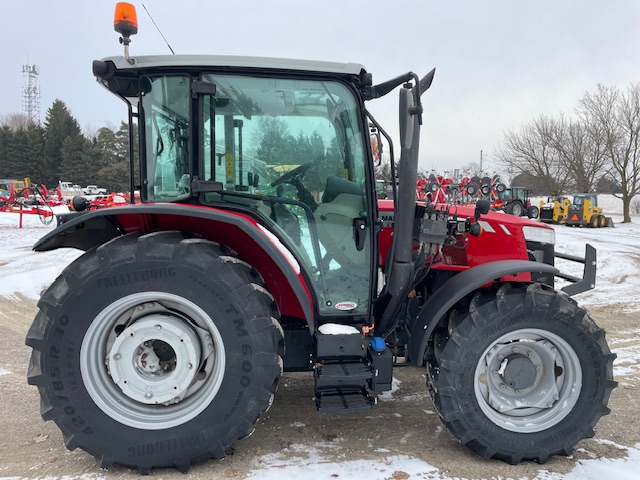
{"points": [[457, 288], [252, 242]]}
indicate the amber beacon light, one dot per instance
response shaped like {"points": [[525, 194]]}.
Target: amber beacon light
{"points": [[125, 19], [125, 22]]}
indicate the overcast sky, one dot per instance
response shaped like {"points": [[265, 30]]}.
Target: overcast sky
{"points": [[499, 63]]}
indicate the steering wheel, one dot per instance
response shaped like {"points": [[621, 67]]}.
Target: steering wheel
{"points": [[293, 177], [292, 174]]}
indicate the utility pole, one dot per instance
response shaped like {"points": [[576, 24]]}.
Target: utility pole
{"points": [[481, 169]]}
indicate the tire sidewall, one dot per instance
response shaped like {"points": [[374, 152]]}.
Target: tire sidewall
{"points": [[243, 380], [473, 347]]}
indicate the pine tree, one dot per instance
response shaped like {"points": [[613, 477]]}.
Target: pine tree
{"points": [[72, 164], [6, 136], [14, 154], [34, 153], [59, 125]]}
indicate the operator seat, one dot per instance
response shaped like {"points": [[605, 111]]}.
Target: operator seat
{"points": [[342, 202]]}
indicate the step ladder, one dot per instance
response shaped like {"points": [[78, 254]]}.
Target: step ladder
{"points": [[341, 386]]}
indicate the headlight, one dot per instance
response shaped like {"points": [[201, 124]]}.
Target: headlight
{"points": [[539, 234]]}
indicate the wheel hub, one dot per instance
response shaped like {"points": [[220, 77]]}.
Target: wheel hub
{"points": [[155, 359], [522, 377], [520, 372]]}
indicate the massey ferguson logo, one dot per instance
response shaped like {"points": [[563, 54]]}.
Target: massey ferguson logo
{"points": [[346, 305], [387, 219]]}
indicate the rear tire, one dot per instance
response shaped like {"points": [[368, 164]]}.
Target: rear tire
{"points": [[515, 208], [524, 374], [155, 351]]}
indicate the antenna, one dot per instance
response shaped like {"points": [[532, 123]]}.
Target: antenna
{"points": [[31, 93], [158, 28]]}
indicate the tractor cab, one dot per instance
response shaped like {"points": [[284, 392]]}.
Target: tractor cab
{"points": [[582, 198], [287, 147]]}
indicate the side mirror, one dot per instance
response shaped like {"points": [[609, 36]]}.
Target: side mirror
{"points": [[376, 146], [256, 180], [482, 207], [406, 118], [79, 204]]}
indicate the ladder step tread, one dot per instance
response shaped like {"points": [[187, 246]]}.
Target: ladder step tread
{"points": [[338, 401], [336, 375]]}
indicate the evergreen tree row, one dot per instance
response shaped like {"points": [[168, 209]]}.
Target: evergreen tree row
{"points": [[59, 151]]}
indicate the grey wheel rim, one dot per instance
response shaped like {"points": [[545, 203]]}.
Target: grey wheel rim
{"points": [[517, 209], [121, 371], [528, 380]]}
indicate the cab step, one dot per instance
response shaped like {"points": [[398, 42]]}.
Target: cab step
{"points": [[341, 386], [342, 375], [343, 401]]}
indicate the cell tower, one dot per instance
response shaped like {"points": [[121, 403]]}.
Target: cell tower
{"points": [[31, 93]]}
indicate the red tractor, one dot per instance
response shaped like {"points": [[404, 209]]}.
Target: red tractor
{"points": [[259, 246]]}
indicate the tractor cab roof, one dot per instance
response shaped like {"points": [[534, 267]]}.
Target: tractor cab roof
{"points": [[120, 76], [233, 61]]}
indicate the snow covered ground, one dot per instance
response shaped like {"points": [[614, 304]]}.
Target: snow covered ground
{"points": [[618, 283]]}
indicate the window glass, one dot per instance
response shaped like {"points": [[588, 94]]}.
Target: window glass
{"points": [[165, 104], [291, 150]]}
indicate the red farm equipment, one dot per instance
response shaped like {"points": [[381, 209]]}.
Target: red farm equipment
{"points": [[30, 200], [164, 342]]}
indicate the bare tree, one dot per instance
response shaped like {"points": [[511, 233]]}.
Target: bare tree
{"points": [[532, 151], [15, 121], [473, 168], [581, 151], [616, 116]]}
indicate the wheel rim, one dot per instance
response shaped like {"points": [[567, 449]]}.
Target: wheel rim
{"points": [[517, 210], [152, 360], [528, 380]]}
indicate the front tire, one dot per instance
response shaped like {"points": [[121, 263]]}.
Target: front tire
{"points": [[522, 374], [156, 351]]}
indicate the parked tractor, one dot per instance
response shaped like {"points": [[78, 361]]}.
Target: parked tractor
{"points": [[584, 211], [164, 342], [554, 210], [515, 201]]}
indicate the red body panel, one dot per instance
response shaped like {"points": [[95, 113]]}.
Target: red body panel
{"points": [[501, 239], [233, 237]]}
